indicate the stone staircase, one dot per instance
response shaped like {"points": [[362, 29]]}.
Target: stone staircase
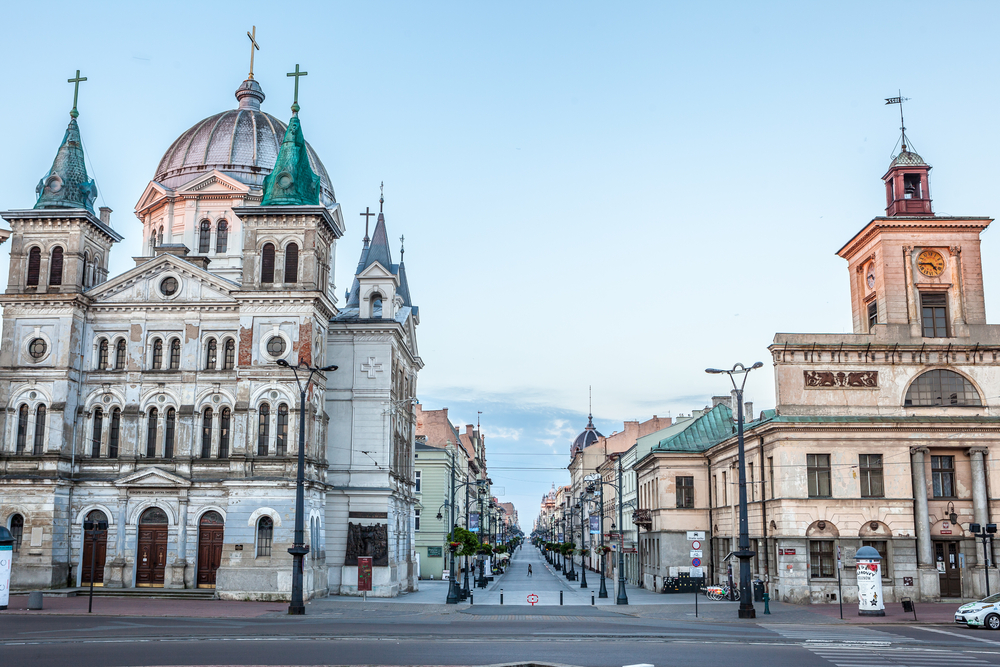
{"points": [[148, 593]]}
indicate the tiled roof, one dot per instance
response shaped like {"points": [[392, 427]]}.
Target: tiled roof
{"points": [[701, 433]]}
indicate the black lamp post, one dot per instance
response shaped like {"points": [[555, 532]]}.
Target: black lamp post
{"points": [[603, 592], [622, 595], [93, 530], [583, 564], [299, 549], [984, 533], [744, 553]]}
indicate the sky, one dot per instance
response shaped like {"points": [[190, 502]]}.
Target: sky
{"points": [[606, 195]]}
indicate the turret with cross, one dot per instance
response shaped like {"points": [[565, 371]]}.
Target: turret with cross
{"points": [[76, 92]]}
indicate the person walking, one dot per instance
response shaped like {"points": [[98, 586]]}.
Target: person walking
{"points": [[529, 569]]}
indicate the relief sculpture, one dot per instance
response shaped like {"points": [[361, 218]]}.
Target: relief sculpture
{"points": [[367, 541], [848, 380]]}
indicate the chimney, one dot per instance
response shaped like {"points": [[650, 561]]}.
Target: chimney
{"points": [[748, 411], [105, 216], [716, 400]]}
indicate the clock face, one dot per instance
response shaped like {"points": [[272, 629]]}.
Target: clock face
{"points": [[870, 279], [930, 263]]}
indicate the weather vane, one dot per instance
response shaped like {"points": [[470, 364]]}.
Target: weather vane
{"points": [[899, 100], [76, 91]]}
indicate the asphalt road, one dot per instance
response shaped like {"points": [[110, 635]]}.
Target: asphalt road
{"points": [[398, 634]]}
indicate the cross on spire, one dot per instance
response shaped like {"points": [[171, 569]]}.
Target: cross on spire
{"points": [[402, 239], [367, 215], [296, 74], [253, 45], [381, 195], [76, 92]]}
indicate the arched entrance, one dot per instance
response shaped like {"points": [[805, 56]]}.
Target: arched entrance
{"points": [[97, 551], [211, 531], [151, 559]]}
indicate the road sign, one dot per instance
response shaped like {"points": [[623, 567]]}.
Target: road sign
{"points": [[696, 553], [696, 562], [532, 599], [696, 572], [696, 535], [695, 544]]}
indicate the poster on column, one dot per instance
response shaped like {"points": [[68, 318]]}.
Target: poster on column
{"points": [[6, 558], [595, 528], [474, 522], [870, 588]]}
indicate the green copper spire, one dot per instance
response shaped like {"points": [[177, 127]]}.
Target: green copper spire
{"points": [[292, 182], [66, 184]]}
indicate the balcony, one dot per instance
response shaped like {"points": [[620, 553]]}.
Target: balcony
{"points": [[643, 518]]}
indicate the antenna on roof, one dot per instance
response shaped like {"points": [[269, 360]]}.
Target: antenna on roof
{"points": [[902, 126]]}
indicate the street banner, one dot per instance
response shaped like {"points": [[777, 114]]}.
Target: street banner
{"points": [[560, 537], [474, 522], [364, 573], [595, 525], [6, 558]]}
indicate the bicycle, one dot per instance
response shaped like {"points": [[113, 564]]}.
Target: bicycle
{"points": [[719, 593]]}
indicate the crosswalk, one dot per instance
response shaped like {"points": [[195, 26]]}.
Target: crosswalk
{"points": [[827, 634], [858, 656]]}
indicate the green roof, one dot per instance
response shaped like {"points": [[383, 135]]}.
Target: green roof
{"points": [[292, 182], [700, 434]]}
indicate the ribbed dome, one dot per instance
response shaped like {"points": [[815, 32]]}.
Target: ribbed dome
{"points": [[242, 143], [588, 437]]}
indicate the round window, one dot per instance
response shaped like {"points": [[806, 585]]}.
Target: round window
{"points": [[276, 346], [37, 348], [169, 286]]}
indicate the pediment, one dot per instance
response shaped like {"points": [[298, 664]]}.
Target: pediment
{"points": [[153, 193], [376, 270], [214, 181], [152, 478], [143, 285]]}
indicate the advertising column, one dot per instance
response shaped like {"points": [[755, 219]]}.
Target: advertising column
{"points": [[869, 564], [6, 558]]}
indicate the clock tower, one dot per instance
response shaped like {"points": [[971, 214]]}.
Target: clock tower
{"points": [[916, 273]]}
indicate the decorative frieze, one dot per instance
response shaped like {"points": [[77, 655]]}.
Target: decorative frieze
{"points": [[846, 380]]}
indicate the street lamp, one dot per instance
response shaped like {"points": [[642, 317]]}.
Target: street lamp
{"points": [[985, 533], [299, 550], [583, 565], [93, 530], [599, 484], [744, 554]]}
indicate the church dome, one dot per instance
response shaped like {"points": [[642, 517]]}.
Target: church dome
{"points": [[242, 143], [588, 437], [907, 159]]}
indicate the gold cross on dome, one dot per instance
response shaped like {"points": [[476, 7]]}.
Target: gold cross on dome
{"points": [[76, 91], [296, 74], [253, 45]]}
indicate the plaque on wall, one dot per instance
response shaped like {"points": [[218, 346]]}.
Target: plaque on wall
{"points": [[845, 380], [367, 541]]}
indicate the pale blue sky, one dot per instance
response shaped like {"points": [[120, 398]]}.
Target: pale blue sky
{"points": [[606, 194]]}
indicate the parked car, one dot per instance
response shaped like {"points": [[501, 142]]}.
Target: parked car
{"points": [[982, 614]]}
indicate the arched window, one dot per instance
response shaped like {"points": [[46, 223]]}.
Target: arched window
{"points": [[86, 268], [229, 360], [206, 434], [102, 355], [263, 428], [157, 354], [168, 434], [292, 263], [39, 429], [95, 441], [22, 429], [175, 354], [265, 534], [159, 240], [34, 265], [115, 435], [56, 266], [281, 446], [221, 236], [211, 354], [267, 263], [376, 300], [224, 420], [17, 530], [120, 355], [151, 433], [941, 387], [205, 242]]}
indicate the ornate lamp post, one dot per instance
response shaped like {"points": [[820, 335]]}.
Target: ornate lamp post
{"points": [[583, 564], [599, 485], [744, 554], [299, 550]]}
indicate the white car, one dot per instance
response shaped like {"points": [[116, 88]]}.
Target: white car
{"points": [[982, 614]]}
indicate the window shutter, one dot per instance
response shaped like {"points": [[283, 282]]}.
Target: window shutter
{"points": [[292, 263], [267, 263], [34, 265], [56, 269]]}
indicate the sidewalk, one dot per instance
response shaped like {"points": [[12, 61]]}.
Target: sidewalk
{"points": [[112, 606]]}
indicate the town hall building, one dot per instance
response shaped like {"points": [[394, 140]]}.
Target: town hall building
{"points": [[154, 401]]}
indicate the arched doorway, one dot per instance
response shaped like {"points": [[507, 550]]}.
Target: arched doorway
{"points": [[211, 531], [151, 559], [96, 550]]}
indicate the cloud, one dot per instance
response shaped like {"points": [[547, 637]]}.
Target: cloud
{"points": [[503, 433]]}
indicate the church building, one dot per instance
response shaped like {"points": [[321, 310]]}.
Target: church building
{"points": [[154, 400]]}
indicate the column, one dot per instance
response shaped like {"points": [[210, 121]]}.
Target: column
{"points": [[921, 514], [175, 576], [979, 501], [114, 569]]}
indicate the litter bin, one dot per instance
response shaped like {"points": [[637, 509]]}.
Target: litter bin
{"points": [[758, 590]]}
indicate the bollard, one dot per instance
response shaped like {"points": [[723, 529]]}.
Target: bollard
{"points": [[35, 600], [560, 597], [767, 599], [501, 596], [472, 599], [591, 598]]}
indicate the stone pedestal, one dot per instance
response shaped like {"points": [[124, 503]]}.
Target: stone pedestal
{"points": [[930, 584], [114, 573], [173, 575]]}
